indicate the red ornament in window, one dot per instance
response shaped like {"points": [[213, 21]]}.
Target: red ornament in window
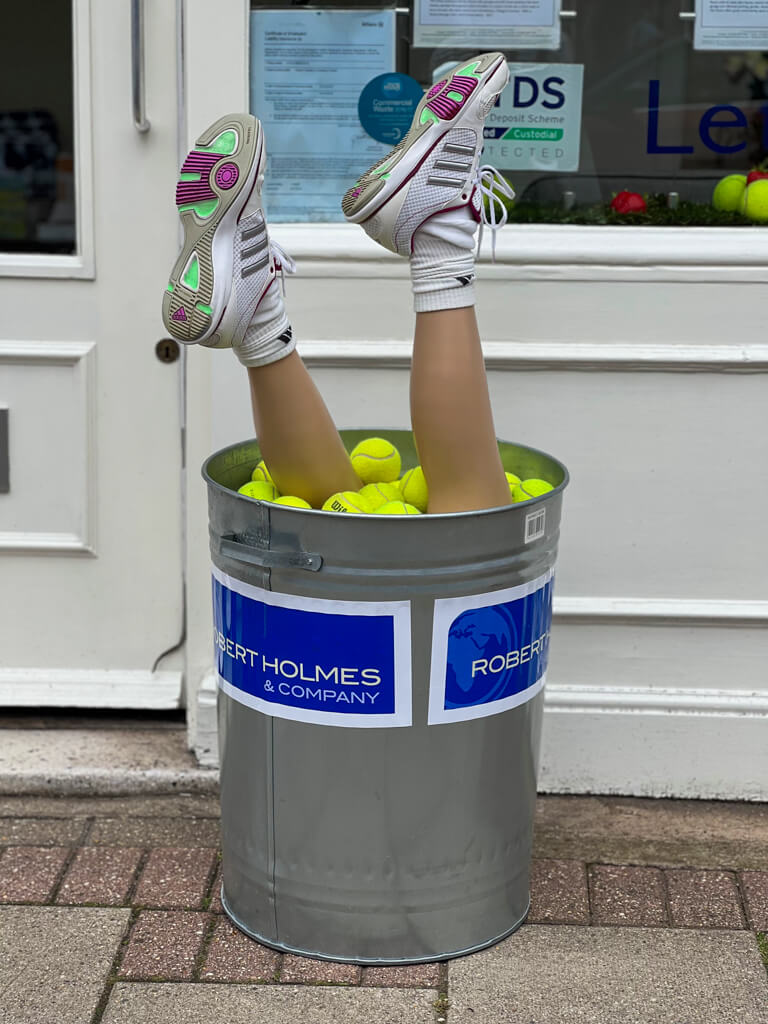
{"points": [[628, 202]]}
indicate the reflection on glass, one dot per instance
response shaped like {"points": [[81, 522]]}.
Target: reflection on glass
{"points": [[660, 121], [37, 204]]}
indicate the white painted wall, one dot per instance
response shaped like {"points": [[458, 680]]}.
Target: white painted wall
{"points": [[639, 358]]}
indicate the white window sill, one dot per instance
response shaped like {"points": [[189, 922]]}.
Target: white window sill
{"points": [[724, 252]]}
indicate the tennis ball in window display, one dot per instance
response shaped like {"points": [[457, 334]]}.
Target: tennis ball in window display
{"points": [[754, 203], [729, 192]]}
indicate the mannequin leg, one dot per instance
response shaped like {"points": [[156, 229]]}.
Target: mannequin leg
{"points": [[451, 414]]}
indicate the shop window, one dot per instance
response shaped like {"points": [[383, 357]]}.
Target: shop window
{"points": [[625, 122], [37, 194]]}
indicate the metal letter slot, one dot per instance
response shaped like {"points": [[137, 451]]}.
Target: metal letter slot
{"points": [[5, 482]]}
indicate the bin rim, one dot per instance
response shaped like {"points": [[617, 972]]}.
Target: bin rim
{"points": [[431, 516]]}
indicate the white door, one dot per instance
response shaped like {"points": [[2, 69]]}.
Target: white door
{"points": [[90, 417]]}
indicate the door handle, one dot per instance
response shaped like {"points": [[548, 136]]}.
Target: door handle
{"points": [[137, 66]]}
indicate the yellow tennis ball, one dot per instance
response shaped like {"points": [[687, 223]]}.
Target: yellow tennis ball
{"points": [[413, 487], [512, 480], [754, 202], [376, 460], [396, 508], [728, 192], [293, 501], [380, 494], [262, 473], [530, 489], [261, 490], [347, 501]]}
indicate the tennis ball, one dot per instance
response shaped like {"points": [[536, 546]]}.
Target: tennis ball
{"points": [[512, 480], [413, 488], [291, 499], [530, 489], [380, 494], [728, 192], [262, 473], [259, 489], [347, 501], [376, 460], [754, 202], [397, 508]]}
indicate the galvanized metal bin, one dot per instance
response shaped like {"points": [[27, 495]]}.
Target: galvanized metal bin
{"points": [[386, 840]]}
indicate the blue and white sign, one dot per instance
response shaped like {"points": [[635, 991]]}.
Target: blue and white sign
{"points": [[387, 105], [536, 123], [343, 663], [489, 651]]}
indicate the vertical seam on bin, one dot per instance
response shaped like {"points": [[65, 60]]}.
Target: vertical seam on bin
{"points": [[267, 584]]}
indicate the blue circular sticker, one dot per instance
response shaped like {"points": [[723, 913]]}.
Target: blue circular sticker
{"points": [[387, 105]]}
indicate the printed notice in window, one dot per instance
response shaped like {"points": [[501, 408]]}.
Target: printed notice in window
{"points": [[731, 25], [308, 68], [490, 25]]}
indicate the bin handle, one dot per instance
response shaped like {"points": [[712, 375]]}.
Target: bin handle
{"points": [[231, 547]]}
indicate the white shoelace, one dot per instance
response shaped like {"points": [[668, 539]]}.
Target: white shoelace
{"points": [[491, 185], [283, 262]]}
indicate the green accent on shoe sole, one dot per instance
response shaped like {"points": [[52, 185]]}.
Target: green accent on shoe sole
{"points": [[225, 143], [456, 96], [187, 176], [191, 276], [470, 69], [202, 210], [169, 287], [203, 309], [428, 115]]}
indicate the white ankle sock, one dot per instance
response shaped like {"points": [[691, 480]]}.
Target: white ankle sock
{"points": [[269, 335], [443, 262]]}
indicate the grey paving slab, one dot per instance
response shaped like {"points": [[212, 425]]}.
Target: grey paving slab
{"points": [[159, 805], [55, 961], [100, 762], [41, 831], [632, 830], [149, 1003], [549, 974]]}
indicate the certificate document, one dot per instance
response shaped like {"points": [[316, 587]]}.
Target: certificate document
{"points": [[490, 25], [731, 25], [308, 68]]}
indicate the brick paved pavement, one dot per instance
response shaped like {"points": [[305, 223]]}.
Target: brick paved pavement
{"points": [[165, 869]]}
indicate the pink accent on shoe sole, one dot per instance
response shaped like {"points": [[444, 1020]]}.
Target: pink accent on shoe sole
{"points": [[445, 106], [180, 314], [188, 192], [436, 88], [226, 176]]}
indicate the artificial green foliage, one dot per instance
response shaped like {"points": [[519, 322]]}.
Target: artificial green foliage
{"points": [[658, 214]]}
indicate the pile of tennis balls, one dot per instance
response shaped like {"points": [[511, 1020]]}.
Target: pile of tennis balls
{"points": [[746, 194], [384, 492]]}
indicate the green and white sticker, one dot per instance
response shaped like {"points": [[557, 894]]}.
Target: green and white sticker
{"points": [[537, 122]]}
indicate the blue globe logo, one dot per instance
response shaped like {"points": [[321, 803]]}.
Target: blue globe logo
{"points": [[477, 636], [497, 651]]}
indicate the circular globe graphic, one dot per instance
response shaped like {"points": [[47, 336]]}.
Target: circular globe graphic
{"points": [[477, 636]]}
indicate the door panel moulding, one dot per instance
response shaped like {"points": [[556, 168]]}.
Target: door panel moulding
{"points": [[80, 356]]}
